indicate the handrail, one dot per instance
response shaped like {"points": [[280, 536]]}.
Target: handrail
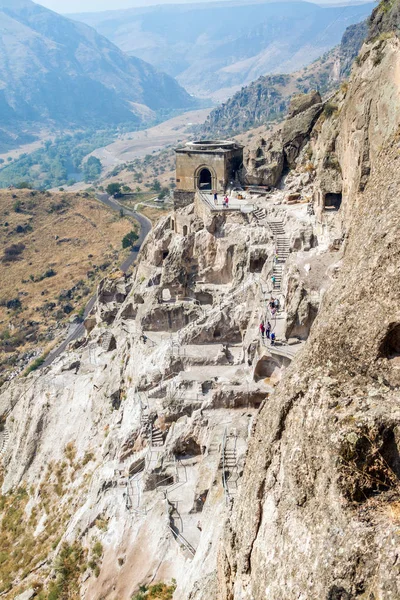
{"points": [[224, 480], [249, 207], [178, 536]]}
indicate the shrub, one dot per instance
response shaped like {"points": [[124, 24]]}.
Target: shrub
{"points": [[35, 365], [378, 57], [23, 228], [98, 549], [17, 206], [24, 185], [14, 304], [89, 456], [12, 253], [329, 109]]}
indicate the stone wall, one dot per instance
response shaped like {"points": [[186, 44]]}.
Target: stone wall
{"points": [[182, 198], [222, 164]]}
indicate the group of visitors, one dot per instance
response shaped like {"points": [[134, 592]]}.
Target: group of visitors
{"points": [[225, 201], [266, 330], [273, 306]]}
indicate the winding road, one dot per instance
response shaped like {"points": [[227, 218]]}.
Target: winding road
{"points": [[145, 228]]}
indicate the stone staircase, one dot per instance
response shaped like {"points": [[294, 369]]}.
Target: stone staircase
{"points": [[4, 439]]}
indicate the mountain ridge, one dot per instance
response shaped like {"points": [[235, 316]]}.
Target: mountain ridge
{"points": [[53, 70], [268, 98], [213, 48]]}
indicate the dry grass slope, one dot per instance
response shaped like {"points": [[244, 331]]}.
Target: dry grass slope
{"points": [[53, 251]]}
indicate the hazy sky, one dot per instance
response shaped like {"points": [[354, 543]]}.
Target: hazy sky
{"points": [[71, 6]]}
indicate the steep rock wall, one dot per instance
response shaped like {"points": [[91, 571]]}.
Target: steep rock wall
{"points": [[317, 514]]}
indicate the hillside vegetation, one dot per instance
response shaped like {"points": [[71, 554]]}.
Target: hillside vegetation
{"points": [[54, 248]]}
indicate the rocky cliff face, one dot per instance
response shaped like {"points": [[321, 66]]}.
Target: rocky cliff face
{"points": [[174, 442], [268, 98], [317, 514]]}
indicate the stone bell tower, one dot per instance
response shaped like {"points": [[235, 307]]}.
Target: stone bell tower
{"points": [[206, 166]]}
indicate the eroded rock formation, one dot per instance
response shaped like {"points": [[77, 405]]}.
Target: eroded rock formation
{"points": [[173, 441]]}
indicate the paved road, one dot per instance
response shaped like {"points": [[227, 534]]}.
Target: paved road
{"points": [[145, 228]]}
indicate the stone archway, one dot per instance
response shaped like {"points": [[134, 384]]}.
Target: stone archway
{"points": [[205, 179]]}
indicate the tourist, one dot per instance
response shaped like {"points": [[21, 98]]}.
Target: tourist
{"points": [[273, 311], [273, 279], [272, 339], [215, 198], [268, 330], [276, 304], [227, 201], [272, 303], [262, 329]]}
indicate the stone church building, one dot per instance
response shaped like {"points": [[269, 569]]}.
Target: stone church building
{"points": [[206, 166]]}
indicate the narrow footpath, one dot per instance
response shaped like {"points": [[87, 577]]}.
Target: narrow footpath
{"points": [[145, 228]]}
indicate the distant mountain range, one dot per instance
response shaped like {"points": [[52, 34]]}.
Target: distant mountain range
{"points": [[268, 98], [60, 72], [215, 48]]}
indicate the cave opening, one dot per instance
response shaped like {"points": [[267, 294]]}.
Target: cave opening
{"points": [[332, 201], [390, 345]]}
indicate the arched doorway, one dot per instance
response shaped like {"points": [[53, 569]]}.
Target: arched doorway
{"points": [[205, 180]]}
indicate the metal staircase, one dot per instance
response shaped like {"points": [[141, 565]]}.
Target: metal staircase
{"points": [[4, 439], [260, 216], [282, 247], [229, 464], [157, 437]]}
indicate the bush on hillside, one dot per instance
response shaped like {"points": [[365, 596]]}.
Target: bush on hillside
{"points": [[13, 252]]}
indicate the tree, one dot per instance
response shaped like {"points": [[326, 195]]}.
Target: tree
{"points": [[128, 241], [163, 193], [156, 185], [113, 189], [92, 169]]}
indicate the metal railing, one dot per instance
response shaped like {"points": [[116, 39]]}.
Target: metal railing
{"points": [[244, 208], [179, 537], [225, 467]]}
